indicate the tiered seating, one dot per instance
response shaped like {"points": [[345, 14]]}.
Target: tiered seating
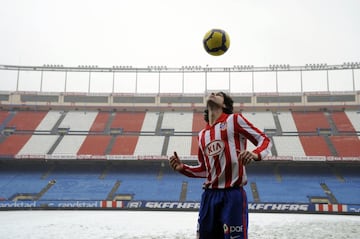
{"points": [[78, 120], [124, 145], [146, 144], [78, 183], [95, 145], [346, 146], [194, 188], [262, 120], [347, 188], [194, 145], [354, 118], [3, 116], [128, 121], [170, 182], [180, 122], [149, 145], [310, 121], [20, 178], [12, 144], [198, 121], [100, 122], [261, 174], [298, 184], [27, 120], [180, 144], [70, 144], [150, 122], [287, 122], [145, 182], [315, 146], [342, 122], [345, 192], [38, 144], [197, 125], [26, 184], [49, 121], [41, 142], [288, 146], [141, 134], [287, 183]]}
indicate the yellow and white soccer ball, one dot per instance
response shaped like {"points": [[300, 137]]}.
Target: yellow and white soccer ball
{"points": [[216, 42]]}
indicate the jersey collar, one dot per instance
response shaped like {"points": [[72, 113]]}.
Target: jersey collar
{"points": [[222, 117]]}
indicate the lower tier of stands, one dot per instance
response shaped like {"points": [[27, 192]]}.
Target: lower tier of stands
{"points": [[282, 182]]}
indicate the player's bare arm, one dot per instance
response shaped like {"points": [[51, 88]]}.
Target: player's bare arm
{"points": [[175, 162]]}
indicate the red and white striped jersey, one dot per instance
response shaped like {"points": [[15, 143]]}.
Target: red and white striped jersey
{"points": [[219, 146]]}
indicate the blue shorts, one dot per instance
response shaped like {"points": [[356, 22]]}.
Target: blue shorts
{"points": [[223, 214]]}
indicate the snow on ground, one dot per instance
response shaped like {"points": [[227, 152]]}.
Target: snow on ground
{"points": [[165, 225]]}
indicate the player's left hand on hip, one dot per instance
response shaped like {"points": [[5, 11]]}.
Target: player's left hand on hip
{"points": [[246, 156]]}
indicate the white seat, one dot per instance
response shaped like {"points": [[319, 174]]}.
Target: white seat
{"points": [[38, 144], [179, 121], [288, 146], [149, 145], [287, 122]]}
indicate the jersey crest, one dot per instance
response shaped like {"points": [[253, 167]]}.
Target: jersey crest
{"points": [[223, 126]]}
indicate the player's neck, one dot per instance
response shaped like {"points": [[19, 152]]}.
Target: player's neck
{"points": [[214, 114]]}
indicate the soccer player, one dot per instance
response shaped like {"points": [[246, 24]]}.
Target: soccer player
{"points": [[222, 157]]}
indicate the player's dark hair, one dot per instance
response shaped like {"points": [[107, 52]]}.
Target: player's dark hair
{"points": [[228, 102]]}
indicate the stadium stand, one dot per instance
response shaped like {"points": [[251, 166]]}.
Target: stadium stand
{"points": [[101, 122], [69, 154], [12, 144], [315, 146], [262, 120], [38, 144], [310, 121], [95, 145], [346, 146], [354, 117], [26, 120], [288, 145], [78, 121], [59, 144], [284, 182], [159, 133], [49, 121], [128, 122], [287, 123], [342, 122]]}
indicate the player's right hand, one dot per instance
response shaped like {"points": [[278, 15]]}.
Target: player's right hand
{"points": [[175, 162]]}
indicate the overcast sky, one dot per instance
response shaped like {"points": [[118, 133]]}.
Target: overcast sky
{"points": [[145, 33]]}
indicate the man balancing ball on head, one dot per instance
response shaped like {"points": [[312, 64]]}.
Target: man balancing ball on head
{"points": [[222, 157]]}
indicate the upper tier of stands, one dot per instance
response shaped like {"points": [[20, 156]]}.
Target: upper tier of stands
{"points": [[300, 134]]}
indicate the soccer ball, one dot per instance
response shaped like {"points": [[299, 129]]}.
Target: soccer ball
{"points": [[216, 42]]}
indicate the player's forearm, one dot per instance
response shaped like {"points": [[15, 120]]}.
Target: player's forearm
{"points": [[193, 171], [263, 149]]}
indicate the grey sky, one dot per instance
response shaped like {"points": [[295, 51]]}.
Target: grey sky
{"points": [[142, 33]]}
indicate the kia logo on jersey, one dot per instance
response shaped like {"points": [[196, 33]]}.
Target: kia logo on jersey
{"points": [[214, 148]]}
